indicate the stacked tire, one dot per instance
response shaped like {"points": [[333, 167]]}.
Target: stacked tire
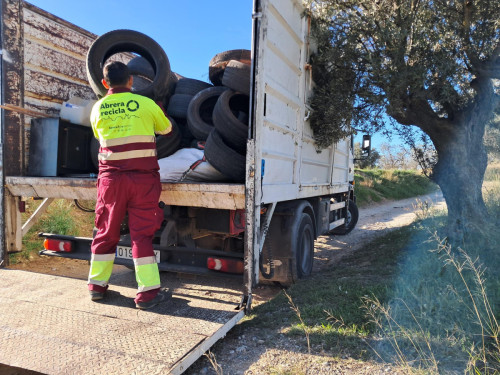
{"points": [[225, 147], [215, 113]]}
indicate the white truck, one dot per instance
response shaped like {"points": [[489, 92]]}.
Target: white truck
{"points": [[260, 230]]}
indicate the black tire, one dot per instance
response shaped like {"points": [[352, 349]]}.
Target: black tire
{"points": [[290, 243], [218, 63], [304, 245], [168, 144], [230, 108], [178, 106], [186, 137], [223, 158], [144, 74], [237, 77], [94, 152], [200, 112], [118, 41], [141, 67], [189, 86], [351, 220]]}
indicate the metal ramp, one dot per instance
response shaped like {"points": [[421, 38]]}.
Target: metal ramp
{"points": [[48, 324]]}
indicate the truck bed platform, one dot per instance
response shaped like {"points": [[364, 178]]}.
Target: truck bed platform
{"points": [[230, 196], [50, 325]]}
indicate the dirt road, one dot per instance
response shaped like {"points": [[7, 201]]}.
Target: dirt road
{"points": [[374, 221]]}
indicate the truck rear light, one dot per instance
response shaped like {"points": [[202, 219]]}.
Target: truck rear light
{"points": [[57, 245], [225, 265]]}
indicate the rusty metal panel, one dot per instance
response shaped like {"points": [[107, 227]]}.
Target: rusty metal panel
{"points": [[44, 65], [12, 82], [50, 325], [54, 63]]}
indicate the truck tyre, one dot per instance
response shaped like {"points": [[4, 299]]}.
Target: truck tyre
{"points": [[229, 117], [200, 112], [167, 144], [304, 242], [141, 67], [118, 41], [144, 74], [218, 63], [237, 77], [178, 106], [223, 158], [189, 86], [290, 241], [350, 222]]}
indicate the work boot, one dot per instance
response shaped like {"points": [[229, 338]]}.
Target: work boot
{"points": [[160, 297], [95, 295]]}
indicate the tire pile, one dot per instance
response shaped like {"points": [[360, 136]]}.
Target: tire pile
{"points": [[211, 116]]}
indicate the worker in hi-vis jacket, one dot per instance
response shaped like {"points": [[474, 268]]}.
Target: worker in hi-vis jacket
{"points": [[125, 125]]}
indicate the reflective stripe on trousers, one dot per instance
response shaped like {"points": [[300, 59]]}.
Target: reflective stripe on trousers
{"points": [[138, 194]]}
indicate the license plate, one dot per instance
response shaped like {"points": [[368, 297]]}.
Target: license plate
{"points": [[125, 252]]}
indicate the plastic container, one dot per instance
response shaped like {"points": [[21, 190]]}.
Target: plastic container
{"points": [[77, 110]]}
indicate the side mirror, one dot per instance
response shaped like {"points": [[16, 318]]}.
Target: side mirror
{"points": [[366, 146]]}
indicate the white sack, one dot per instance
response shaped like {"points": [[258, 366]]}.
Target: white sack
{"points": [[176, 167]]}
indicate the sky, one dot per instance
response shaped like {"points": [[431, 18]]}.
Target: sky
{"points": [[191, 31]]}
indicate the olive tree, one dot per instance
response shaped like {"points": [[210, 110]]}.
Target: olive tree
{"points": [[430, 64]]}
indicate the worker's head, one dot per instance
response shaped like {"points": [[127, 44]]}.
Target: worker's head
{"points": [[116, 74]]}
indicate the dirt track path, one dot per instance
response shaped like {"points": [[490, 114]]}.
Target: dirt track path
{"points": [[374, 221]]}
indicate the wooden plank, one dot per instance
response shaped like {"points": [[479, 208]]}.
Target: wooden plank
{"points": [[13, 229], [222, 196], [208, 195], [36, 215]]}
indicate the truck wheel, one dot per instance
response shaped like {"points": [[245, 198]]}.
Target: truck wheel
{"points": [[230, 108], [304, 248], [290, 243], [200, 112], [118, 41], [350, 222]]}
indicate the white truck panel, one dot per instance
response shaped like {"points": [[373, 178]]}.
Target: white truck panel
{"points": [[292, 166]]}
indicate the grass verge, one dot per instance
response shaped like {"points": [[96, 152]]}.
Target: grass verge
{"points": [[61, 217], [375, 185], [406, 299]]}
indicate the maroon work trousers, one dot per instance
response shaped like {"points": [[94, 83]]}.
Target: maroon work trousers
{"points": [[138, 194]]}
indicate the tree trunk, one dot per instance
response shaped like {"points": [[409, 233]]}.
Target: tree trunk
{"points": [[462, 161]]}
